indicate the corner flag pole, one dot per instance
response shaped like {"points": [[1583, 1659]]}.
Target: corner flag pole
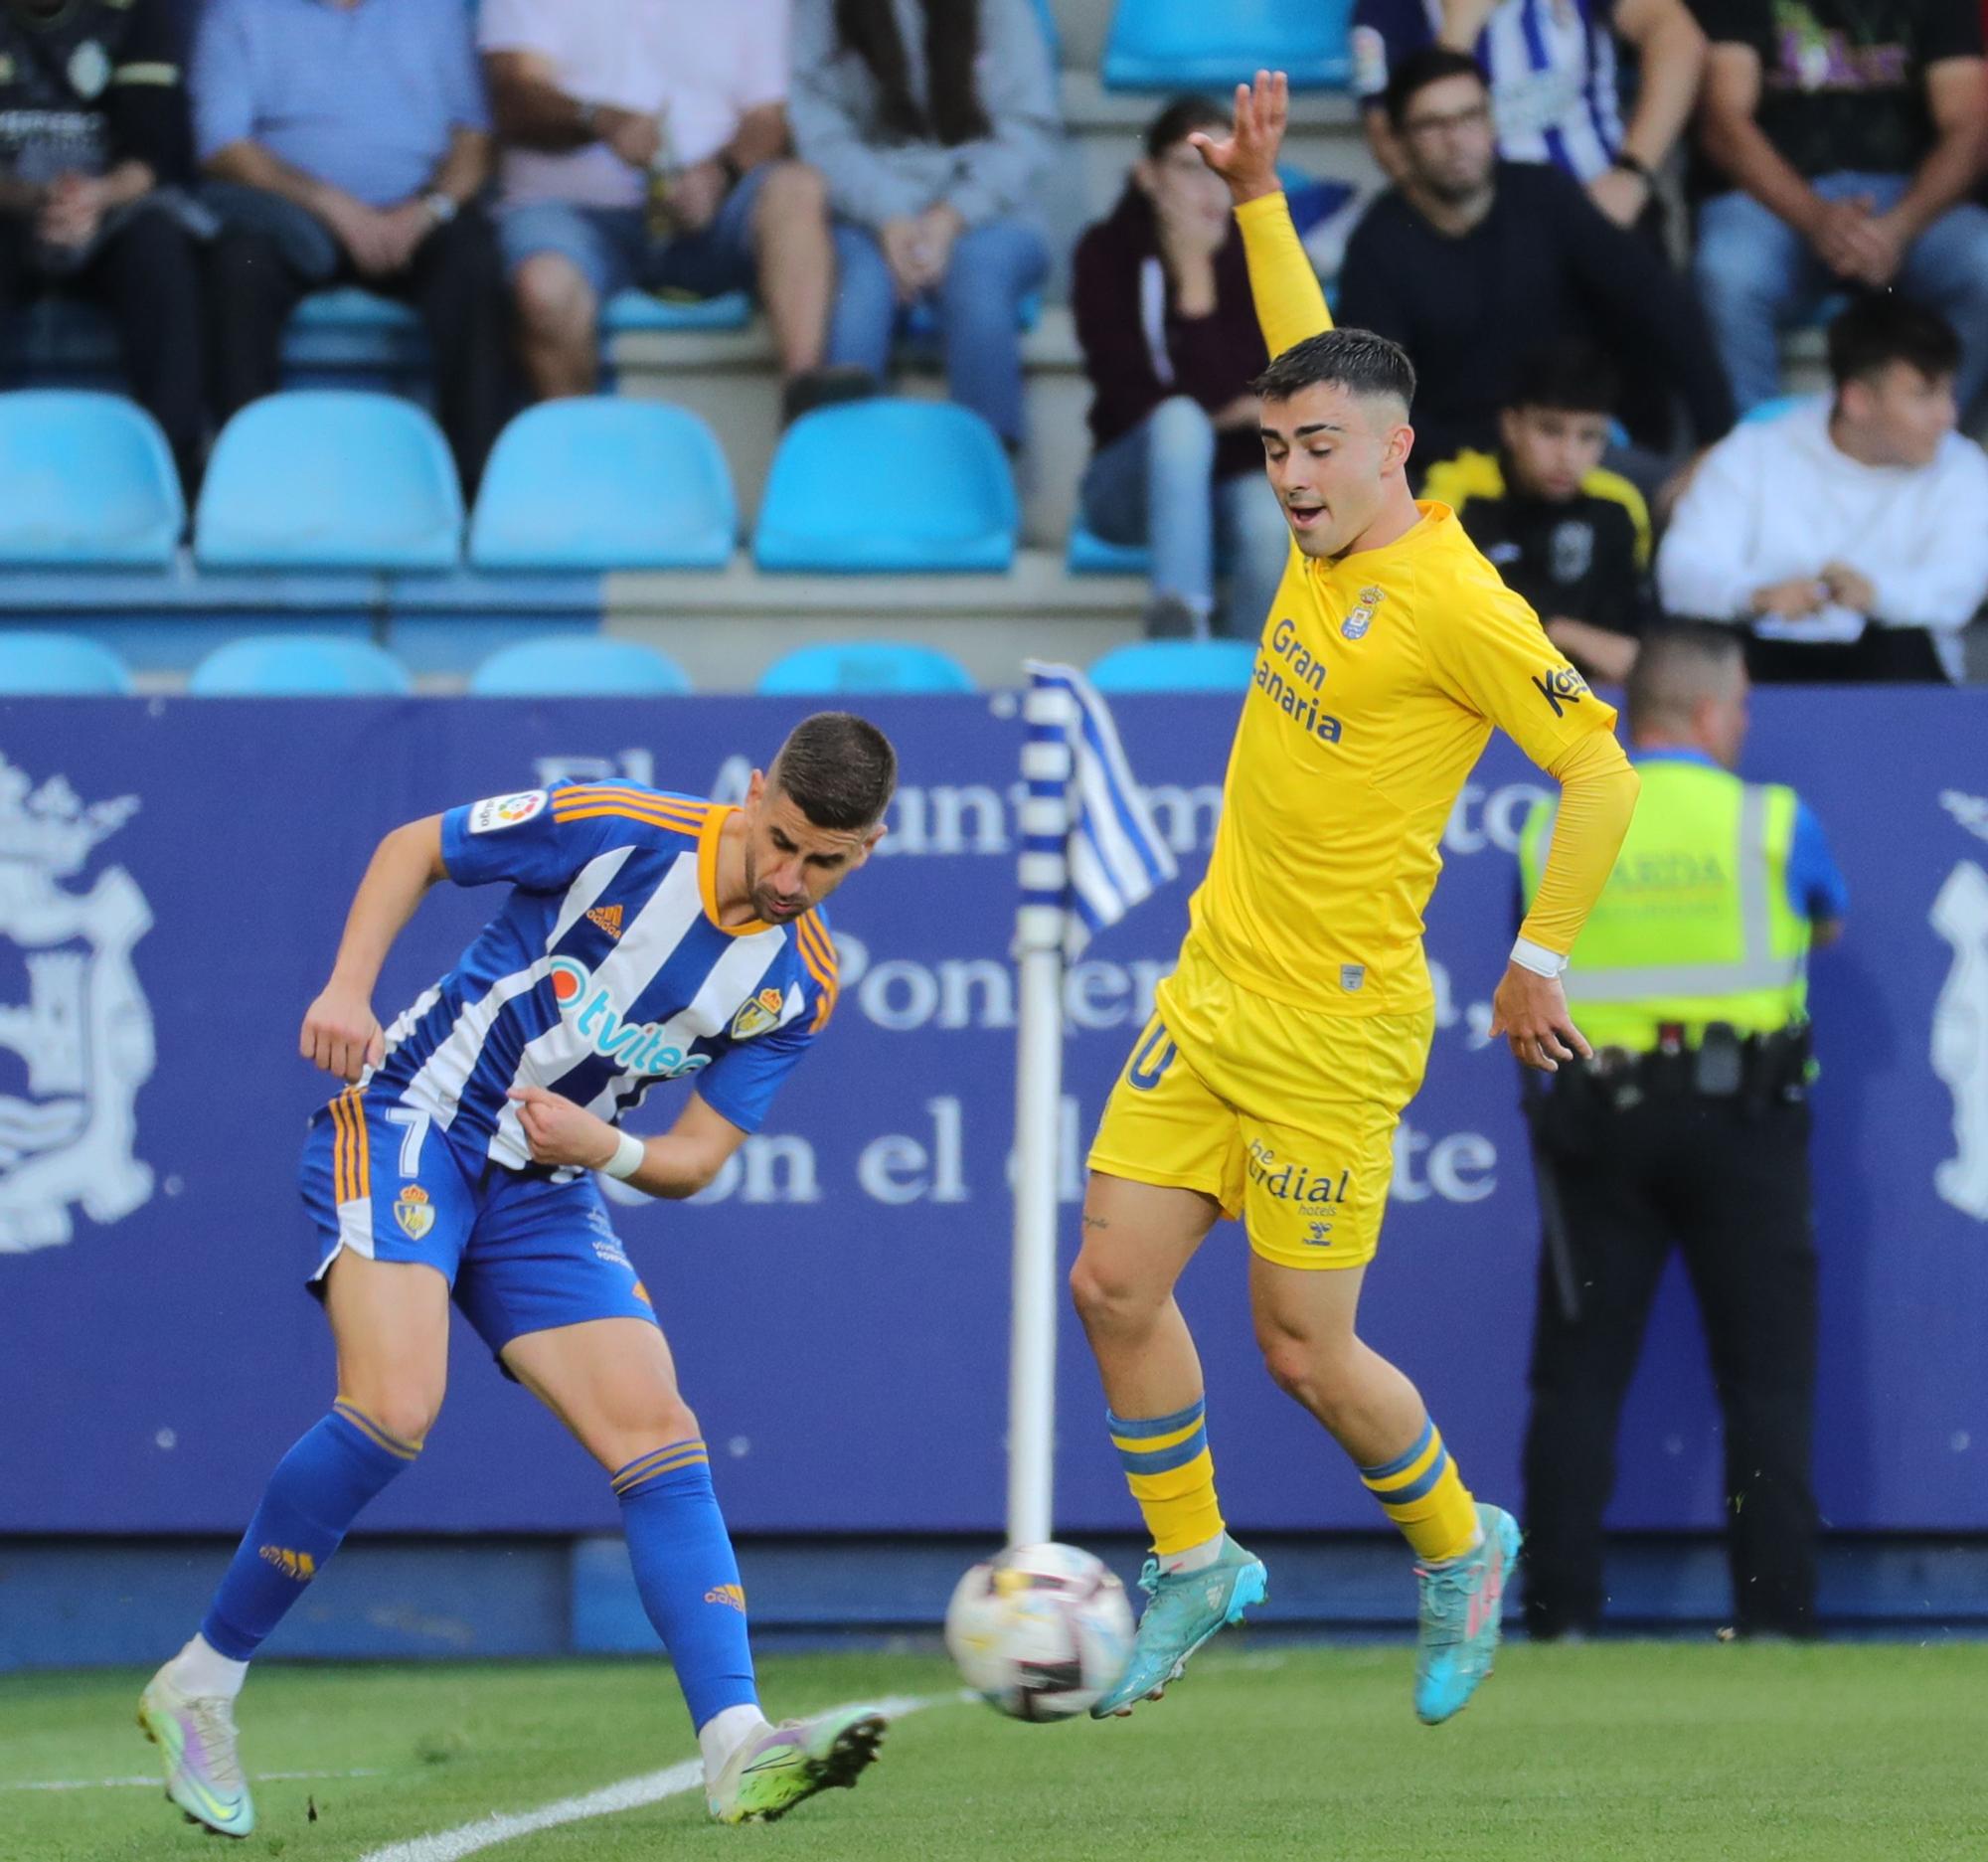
{"points": [[1047, 767]]}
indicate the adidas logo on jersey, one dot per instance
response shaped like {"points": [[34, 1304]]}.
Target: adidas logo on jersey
{"points": [[609, 918]]}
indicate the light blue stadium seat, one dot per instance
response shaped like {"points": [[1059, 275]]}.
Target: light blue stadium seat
{"points": [[587, 667], [644, 310], [888, 485], [86, 481], [864, 666], [1089, 554], [1052, 33], [330, 478], [1210, 45], [603, 484], [1175, 666], [59, 665], [301, 665], [1780, 406]]}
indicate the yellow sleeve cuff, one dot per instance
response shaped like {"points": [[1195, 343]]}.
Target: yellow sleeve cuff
{"points": [[1290, 306]]}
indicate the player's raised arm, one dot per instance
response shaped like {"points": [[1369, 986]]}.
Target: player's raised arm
{"points": [[341, 1033], [1290, 303]]}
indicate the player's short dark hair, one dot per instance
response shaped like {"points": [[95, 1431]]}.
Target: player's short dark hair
{"points": [[1568, 378], [1677, 664], [838, 769], [1881, 328], [1356, 360], [1415, 74], [1179, 119]]}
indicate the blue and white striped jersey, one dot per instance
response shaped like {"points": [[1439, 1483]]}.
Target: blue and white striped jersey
{"points": [[606, 972], [1550, 65]]}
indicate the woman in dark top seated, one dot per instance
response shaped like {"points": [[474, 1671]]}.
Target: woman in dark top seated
{"points": [[1171, 345]]}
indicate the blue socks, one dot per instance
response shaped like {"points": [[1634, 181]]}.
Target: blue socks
{"points": [[318, 1490], [688, 1577]]}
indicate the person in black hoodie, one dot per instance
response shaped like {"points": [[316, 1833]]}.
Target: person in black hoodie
{"points": [[92, 137], [1171, 345]]}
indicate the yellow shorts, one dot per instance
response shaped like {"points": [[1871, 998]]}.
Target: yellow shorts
{"points": [[1284, 1116]]}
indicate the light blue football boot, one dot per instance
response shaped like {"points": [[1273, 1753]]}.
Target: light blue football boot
{"points": [[1186, 1608], [1462, 1616], [195, 1735]]}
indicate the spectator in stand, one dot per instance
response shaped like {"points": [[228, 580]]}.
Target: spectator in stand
{"points": [[1469, 262], [1553, 75], [92, 134], [646, 144], [930, 123], [1850, 136], [1849, 535], [351, 142], [1171, 345], [1570, 538]]}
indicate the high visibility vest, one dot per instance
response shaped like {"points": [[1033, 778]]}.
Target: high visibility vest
{"points": [[1694, 925]]}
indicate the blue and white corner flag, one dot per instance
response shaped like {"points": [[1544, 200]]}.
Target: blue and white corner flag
{"points": [[1089, 849]]}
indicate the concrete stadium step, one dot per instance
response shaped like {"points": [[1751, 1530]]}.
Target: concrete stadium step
{"points": [[726, 628]]}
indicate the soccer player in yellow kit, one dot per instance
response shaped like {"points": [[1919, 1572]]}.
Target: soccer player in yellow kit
{"points": [[1296, 1026]]}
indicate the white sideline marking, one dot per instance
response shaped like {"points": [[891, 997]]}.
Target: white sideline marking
{"points": [[153, 1777], [629, 1794]]}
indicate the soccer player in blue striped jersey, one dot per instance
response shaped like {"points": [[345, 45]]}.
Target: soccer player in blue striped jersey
{"points": [[647, 937]]}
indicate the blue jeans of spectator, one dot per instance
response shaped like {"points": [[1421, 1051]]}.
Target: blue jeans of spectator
{"points": [[993, 268], [1755, 272], [1156, 485]]}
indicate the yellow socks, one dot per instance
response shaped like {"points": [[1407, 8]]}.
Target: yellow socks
{"points": [[1422, 1493], [1171, 1474]]}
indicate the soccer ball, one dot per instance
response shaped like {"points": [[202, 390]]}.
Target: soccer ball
{"points": [[1040, 1631]]}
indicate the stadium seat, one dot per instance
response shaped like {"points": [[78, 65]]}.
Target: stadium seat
{"points": [[1778, 406], [1210, 45], [302, 665], [330, 478], [864, 666], [86, 481], [586, 667], [888, 485], [603, 484], [59, 665], [1089, 554], [918, 324], [644, 310], [1175, 666]]}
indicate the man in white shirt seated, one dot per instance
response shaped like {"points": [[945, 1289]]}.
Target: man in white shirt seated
{"points": [[1850, 536]]}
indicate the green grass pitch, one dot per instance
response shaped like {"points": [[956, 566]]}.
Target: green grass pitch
{"points": [[1606, 1753]]}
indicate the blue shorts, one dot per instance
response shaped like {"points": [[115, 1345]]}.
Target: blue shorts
{"points": [[520, 1252], [612, 249]]}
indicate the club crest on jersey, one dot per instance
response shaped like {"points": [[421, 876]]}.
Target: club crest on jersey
{"points": [[413, 1212], [759, 1014], [635, 1047], [1355, 625], [82, 1042]]}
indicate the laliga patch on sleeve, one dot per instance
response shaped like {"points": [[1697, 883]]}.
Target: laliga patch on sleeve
{"points": [[500, 811]]}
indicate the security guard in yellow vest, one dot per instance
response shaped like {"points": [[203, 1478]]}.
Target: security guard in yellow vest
{"points": [[1688, 1129]]}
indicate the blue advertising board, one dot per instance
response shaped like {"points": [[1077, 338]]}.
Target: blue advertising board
{"points": [[173, 875]]}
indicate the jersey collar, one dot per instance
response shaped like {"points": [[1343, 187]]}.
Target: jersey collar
{"points": [[707, 876]]}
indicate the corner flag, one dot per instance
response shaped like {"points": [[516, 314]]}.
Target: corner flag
{"points": [[1089, 853]]}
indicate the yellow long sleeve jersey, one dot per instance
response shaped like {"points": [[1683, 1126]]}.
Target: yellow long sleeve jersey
{"points": [[1378, 680]]}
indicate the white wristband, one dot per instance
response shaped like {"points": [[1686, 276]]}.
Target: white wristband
{"points": [[629, 1151], [1538, 958]]}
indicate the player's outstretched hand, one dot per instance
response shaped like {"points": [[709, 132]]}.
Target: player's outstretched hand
{"points": [[560, 1132], [1248, 159], [341, 1033], [1530, 1011]]}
